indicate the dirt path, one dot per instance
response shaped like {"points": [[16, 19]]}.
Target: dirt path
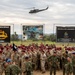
{"points": [[47, 73]]}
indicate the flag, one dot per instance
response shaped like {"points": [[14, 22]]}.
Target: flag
{"points": [[14, 47]]}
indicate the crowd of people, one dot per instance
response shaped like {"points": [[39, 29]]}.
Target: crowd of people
{"points": [[23, 60]]}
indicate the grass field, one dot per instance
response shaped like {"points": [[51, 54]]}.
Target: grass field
{"points": [[39, 42]]}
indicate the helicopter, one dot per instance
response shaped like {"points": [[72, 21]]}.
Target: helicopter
{"points": [[37, 10]]}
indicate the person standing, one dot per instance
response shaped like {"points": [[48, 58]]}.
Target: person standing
{"points": [[34, 59], [43, 61], [7, 68], [28, 67], [15, 57], [69, 66], [53, 60], [11, 68], [64, 61], [73, 63], [1, 61]]}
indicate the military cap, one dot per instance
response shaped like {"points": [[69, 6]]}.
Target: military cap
{"points": [[8, 60]]}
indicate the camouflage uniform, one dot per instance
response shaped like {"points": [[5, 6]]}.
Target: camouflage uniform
{"points": [[15, 70], [64, 61], [47, 63], [28, 67], [34, 60], [15, 58], [7, 53], [1, 62], [7, 70], [53, 64], [38, 60], [22, 61], [69, 68], [43, 61], [73, 63]]}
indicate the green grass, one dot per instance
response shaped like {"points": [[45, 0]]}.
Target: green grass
{"points": [[39, 42]]}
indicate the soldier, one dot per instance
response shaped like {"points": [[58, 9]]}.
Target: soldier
{"points": [[7, 64], [1, 62], [28, 66], [47, 63], [22, 60], [15, 57], [43, 61], [53, 63], [11, 68], [15, 70], [73, 61], [68, 66], [8, 53], [64, 61], [34, 59]]}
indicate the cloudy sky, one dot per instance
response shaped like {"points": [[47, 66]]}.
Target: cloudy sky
{"points": [[16, 12]]}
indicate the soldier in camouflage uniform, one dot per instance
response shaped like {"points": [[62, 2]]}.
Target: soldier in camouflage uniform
{"points": [[47, 62], [28, 66], [64, 61], [73, 63], [11, 68], [69, 66], [22, 60], [53, 63], [34, 59], [15, 57], [43, 61], [15, 70], [7, 69], [7, 53], [1, 61]]}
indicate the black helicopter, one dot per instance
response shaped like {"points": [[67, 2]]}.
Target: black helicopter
{"points": [[37, 10]]}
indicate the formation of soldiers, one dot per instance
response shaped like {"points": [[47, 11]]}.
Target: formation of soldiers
{"points": [[23, 60]]}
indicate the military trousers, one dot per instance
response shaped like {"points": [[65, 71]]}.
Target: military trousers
{"points": [[43, 65], [73, 70], [53, 70]]}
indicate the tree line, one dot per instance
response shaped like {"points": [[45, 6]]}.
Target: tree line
{"points": [[46, 37]]}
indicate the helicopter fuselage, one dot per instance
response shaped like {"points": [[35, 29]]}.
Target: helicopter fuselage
{"points": [[37, 10]]}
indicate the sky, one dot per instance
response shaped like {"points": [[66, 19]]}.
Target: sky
{"points": [[16, 12]]}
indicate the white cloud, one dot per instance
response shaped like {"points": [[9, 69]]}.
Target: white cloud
{"points": [[16, 11]]}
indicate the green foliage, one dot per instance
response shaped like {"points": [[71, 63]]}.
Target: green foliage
{"points": [[46, 38], [14, 37], [50, 37]]}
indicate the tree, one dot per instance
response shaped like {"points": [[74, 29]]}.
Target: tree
{"points": [[46, 37], [52, 37], [14, 37]]}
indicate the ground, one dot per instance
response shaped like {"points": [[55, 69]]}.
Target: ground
{"points": [[47, 73], [39, 42]]}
